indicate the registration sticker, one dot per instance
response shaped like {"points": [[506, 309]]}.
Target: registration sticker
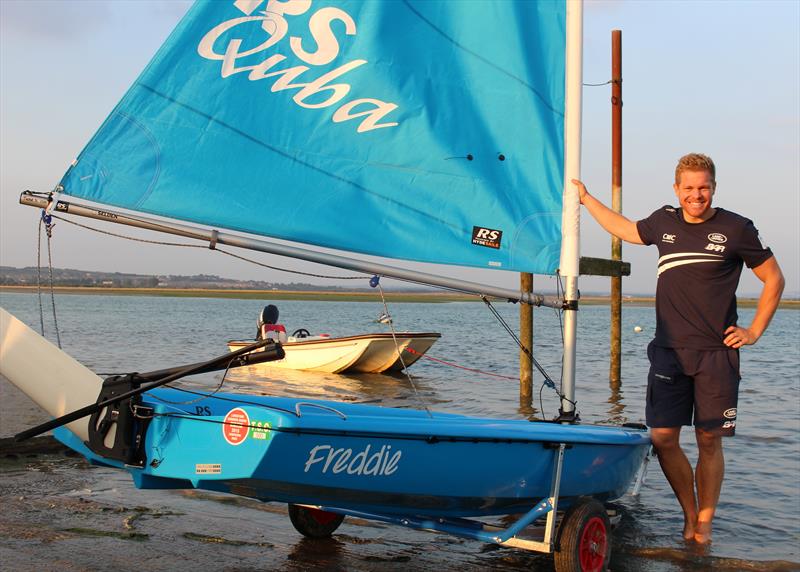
{"points": [[208, 469], [236, 426]]}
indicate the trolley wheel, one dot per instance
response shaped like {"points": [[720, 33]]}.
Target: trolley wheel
{"points": [[313, 522], [584, 538]]}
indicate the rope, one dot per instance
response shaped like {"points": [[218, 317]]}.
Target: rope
{"points": [[39, 275], [164, 243], [46, 221], [375, 282], [202, 395], [291, 271], [547, 379], [437, 360]]}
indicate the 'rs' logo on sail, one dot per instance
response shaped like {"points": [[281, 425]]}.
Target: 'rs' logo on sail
{"points": [[486, 237], [317, 93]]}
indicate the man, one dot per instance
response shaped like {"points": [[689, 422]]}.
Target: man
{"points": [[694, 358]]}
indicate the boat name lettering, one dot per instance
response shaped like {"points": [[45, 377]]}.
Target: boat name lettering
{"points": [[276, 25], [383, 462], [202, 410]]}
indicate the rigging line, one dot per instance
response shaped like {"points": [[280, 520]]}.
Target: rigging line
{"points": [[511, 332], [400, 354], [548, 381], [201, 398], [598, 84], [290, 271], [133, 238], [39, 275], [49, 228], [541, 403], [441, 361], [202, 246], [231, 400]]}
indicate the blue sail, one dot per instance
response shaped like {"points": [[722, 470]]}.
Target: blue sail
{"points": [[421, 130]]}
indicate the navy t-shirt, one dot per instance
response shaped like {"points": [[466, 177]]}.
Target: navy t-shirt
{"points": [[699, 266]]}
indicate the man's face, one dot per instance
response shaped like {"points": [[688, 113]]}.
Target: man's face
{"points": [[695, 191]]}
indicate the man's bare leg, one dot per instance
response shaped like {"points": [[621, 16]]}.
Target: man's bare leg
{"points": [[708, 474], [678, 470]]}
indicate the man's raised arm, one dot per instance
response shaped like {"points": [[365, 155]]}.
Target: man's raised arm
{"points": [[610, 220]]}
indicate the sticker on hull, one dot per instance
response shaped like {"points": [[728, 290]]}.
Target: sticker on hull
{"points": [[236, 426]]}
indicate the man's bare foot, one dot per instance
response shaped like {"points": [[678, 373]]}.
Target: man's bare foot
{"points": [[702, 533], [688, 530]]}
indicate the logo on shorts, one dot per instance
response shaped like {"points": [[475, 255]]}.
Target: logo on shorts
{"points": [[730, 413], [718, 238], [729, 425]]}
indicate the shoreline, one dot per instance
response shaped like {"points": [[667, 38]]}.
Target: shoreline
{"points": [[331, 296]]}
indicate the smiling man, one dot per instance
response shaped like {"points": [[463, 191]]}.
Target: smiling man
{"points": [[694, 357]]}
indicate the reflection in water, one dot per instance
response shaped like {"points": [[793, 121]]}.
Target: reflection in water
{"points": [[389, 390], [324, 553], [617, 403]]}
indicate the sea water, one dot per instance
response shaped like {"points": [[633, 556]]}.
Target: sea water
{"points": [[473, 370]]}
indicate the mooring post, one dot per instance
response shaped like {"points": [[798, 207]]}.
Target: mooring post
{"points": [[615, 367], [526, 338]]}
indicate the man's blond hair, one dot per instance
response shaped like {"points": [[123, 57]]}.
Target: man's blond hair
{"points": [[695, 162]]}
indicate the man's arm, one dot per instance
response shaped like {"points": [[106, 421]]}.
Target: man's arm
{"points": [[612, 221], [770, 274]]}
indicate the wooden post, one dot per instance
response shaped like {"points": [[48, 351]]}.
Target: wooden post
{"points": [[615, 374], [526, 337]]}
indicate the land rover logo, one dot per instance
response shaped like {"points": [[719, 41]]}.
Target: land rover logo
{"points": [[717, 237], [730, 413]]}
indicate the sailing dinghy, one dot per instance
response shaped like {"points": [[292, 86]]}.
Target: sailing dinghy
{"points": [[429, 131]]}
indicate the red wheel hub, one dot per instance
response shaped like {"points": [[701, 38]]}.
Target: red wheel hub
{"points": [[321, 516], [593, 545]]}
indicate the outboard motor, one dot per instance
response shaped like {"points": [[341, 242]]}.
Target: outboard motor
{"points": [[269, 315], [268, 326]]}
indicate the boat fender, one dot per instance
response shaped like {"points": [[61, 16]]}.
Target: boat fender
{"points": [[127, 418]]}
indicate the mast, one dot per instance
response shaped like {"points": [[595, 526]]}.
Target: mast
{"points": [[570, 224]]}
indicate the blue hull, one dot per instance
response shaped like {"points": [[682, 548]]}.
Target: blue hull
{"points": [[374, 459]]}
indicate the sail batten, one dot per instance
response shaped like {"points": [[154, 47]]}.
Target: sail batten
{"points": [[423, 131]]}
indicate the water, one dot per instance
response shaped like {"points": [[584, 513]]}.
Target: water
{"points": [[759, 512]]}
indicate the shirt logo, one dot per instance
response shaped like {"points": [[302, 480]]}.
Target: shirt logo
{"points": [[715, 247], [717, 237], [670, 238]]}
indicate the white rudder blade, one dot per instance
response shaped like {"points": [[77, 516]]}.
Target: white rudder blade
{"points": [[52, 379]]}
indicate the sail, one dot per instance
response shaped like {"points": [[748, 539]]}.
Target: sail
{"points": [[427, 130]]}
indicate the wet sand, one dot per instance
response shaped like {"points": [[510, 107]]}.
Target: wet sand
{"points": [[60, 513]]}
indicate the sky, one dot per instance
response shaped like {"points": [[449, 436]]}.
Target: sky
{"points": [[718, 77]]}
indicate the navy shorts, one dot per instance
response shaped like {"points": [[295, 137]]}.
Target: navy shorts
{"points": [[687, 385]]}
